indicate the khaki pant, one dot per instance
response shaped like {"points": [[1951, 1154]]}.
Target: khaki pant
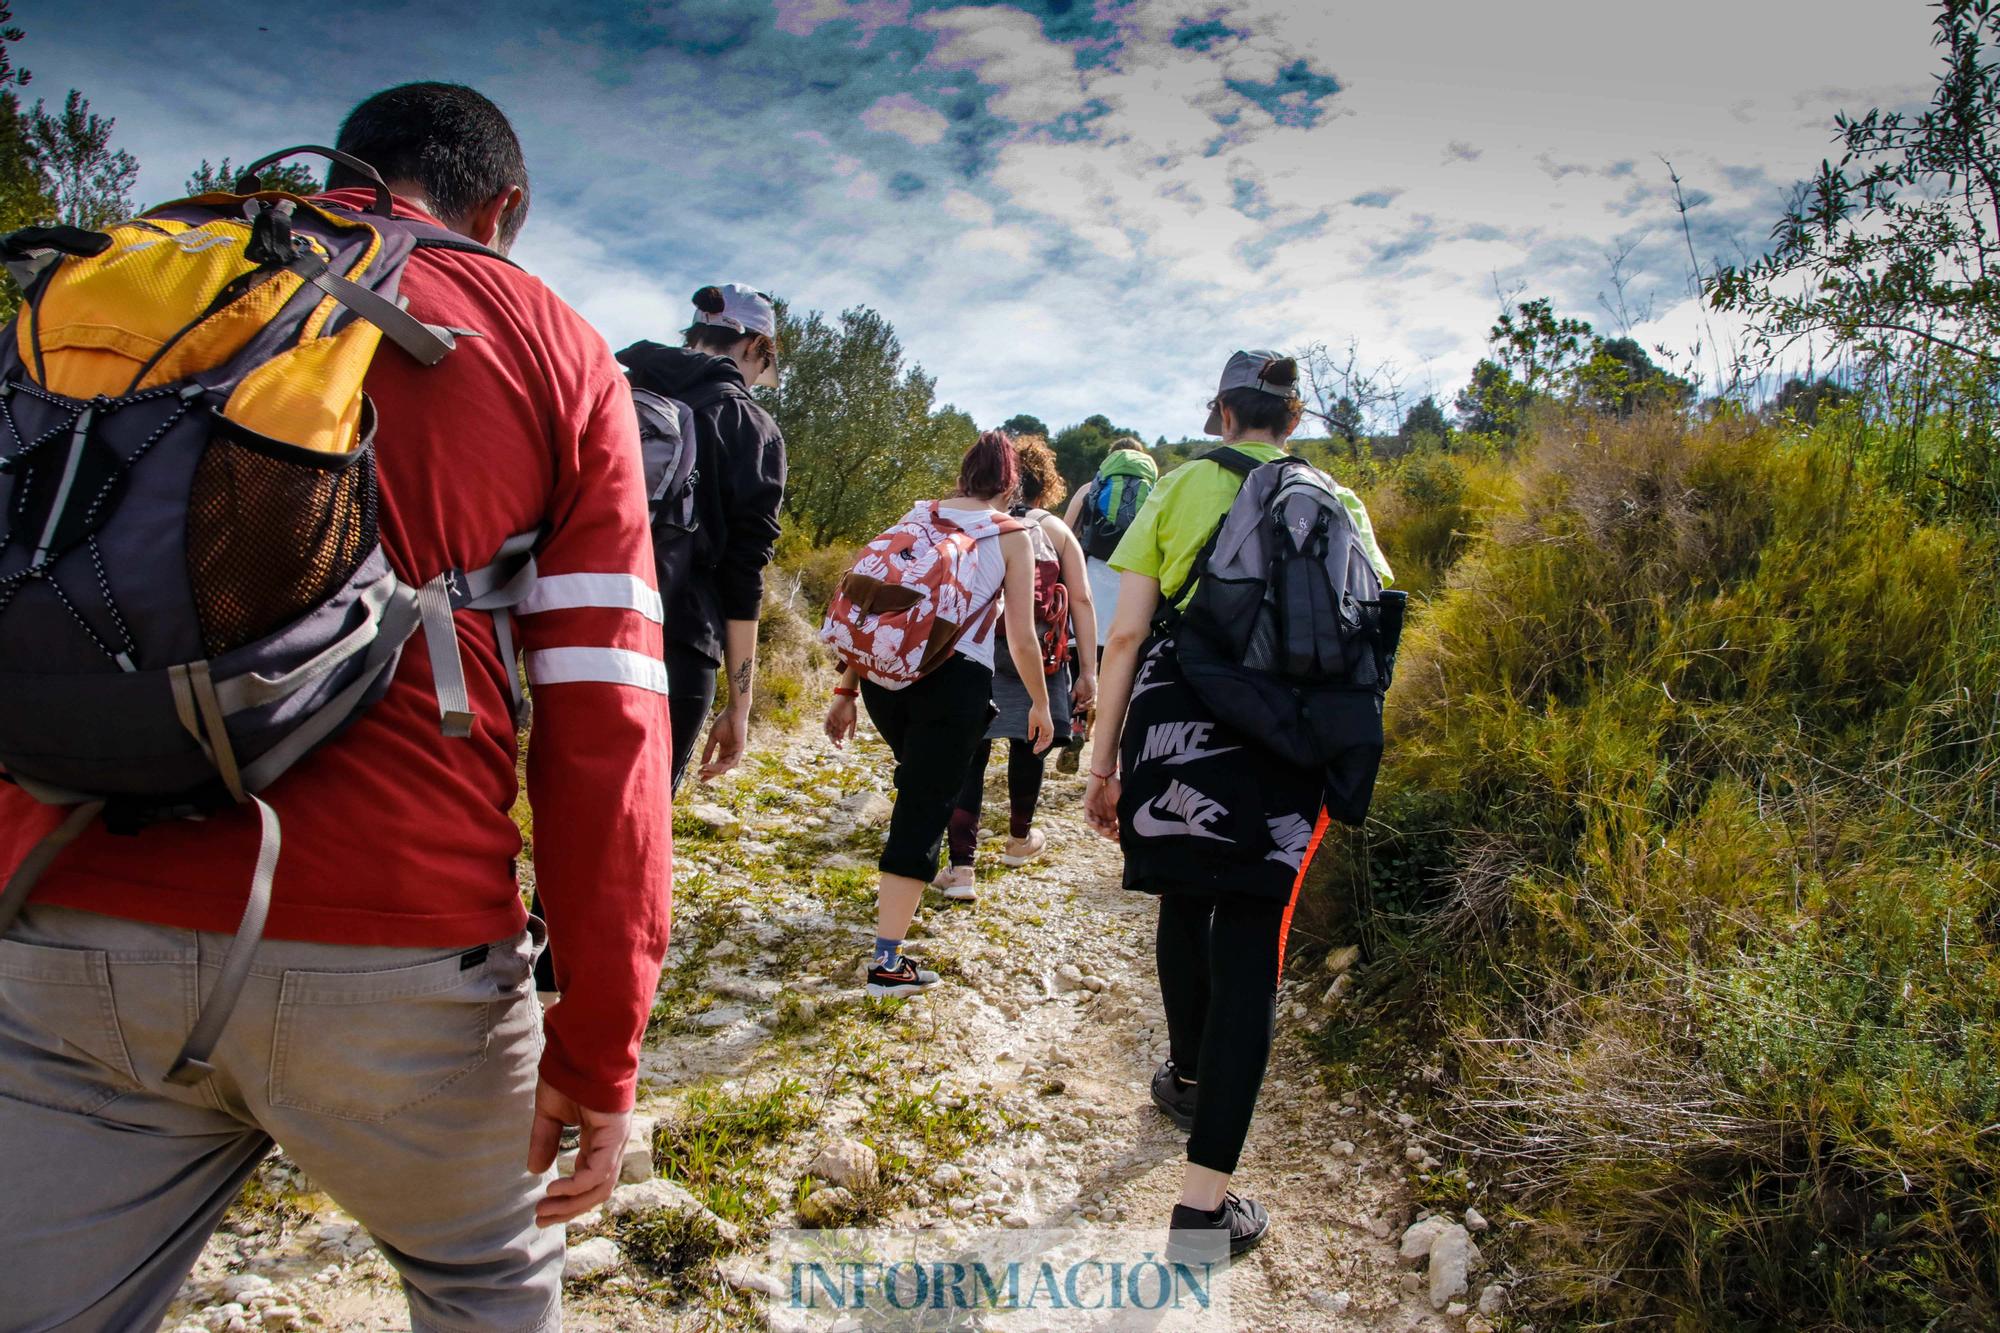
{"points": [[400, 1080]]}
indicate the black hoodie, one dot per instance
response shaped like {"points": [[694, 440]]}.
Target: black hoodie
{"points": [[741, 460]]}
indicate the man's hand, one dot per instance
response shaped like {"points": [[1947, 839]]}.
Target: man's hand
{"points": [[597, 1156], [727, 736]]}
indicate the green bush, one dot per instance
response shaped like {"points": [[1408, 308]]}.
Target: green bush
{"points": [[1686, 842]]}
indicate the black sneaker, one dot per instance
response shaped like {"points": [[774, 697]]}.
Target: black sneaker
{"points": [[1173, 1096], [905, 978], [1244, 1220]]}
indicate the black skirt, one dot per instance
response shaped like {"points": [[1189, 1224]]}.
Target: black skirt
{"points": [[1201, 808]]}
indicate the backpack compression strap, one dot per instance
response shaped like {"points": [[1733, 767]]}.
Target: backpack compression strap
{"points": [[501, 585]]}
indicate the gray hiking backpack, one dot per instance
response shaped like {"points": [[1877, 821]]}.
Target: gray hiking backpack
{"points": [[666, 450], [1290, 637], [193, 593]]}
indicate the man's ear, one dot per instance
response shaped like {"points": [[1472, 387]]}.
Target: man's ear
{"points": [[483, 223]]}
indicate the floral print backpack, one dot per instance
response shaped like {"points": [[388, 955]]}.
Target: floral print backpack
{"points": [[913, 593]]}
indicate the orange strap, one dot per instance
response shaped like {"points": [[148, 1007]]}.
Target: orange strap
{"points": [[1285, 925]]}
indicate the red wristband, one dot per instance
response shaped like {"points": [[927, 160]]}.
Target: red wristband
{"points": [[1104, 777], [846, 693]]}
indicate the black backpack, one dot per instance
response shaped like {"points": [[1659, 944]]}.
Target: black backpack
{"points": [[1290, 637]]}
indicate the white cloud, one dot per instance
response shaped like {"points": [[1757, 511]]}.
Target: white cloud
{"points": [[1034, 80], [967, 207], [907, 118], [801, 18], [1134, 215]]}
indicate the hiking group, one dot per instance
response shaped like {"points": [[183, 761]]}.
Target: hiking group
{"points": [[253, 445]]}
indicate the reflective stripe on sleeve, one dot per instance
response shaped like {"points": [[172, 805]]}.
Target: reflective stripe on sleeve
{"points": [[606, 666], [616, 592]]}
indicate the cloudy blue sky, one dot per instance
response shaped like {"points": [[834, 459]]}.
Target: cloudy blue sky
{"points": [[1067, 207]]}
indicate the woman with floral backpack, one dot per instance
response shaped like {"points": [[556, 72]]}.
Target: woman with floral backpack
{"points": [[913, 623], [1062, 601]]}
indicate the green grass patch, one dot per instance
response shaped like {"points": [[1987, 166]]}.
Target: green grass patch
{"points": [[717, 1145]]}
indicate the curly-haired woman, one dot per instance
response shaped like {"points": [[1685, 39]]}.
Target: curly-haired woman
{"points": [[1059, 562]]}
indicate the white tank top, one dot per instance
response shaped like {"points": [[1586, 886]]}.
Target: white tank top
{"points": [[988, 573]]}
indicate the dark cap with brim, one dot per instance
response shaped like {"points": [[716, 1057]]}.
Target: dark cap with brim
{"points": [[1246, 370]]}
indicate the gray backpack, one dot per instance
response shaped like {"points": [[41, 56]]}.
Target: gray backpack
{"points": [[1289, 636]]}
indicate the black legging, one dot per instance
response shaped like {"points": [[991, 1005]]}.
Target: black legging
{"points": [[690, 696], [1219, 958], [1024, 791], [931, 727]]}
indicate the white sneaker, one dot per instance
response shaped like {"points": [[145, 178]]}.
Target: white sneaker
{"points": [[957, 883], [1020, 851]]}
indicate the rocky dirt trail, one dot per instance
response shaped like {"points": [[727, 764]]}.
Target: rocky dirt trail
{"points": [[775, 1095]]}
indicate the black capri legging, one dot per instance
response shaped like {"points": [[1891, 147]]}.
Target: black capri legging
{"points": [[932, 727], [1220, 955]]}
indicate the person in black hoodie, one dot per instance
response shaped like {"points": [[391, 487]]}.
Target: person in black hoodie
{"points": [[712, 585]]}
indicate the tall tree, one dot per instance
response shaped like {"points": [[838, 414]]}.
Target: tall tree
{"points": [[1804, 399], [11, 75], [1620, 378], [861, 427], [1897, 244], [1023, 424], [1080, 448], [1493, 402], [291, 177], [1343, 392], [90, 181], [23, 203], [1424, 420], [1540, 348]]}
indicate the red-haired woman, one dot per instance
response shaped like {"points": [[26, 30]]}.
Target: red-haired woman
{"points": [[933, 725]]}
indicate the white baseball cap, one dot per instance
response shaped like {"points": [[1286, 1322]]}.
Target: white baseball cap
{"points": [[735, 306]]}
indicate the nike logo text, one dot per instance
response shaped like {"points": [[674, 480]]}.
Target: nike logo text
{"points": [[1181, 742], [1194, 813]]}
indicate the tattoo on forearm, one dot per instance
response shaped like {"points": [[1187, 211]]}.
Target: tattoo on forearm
{"points": [[740, 682]]}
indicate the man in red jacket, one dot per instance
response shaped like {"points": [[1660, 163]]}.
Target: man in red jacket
{"points": [[389, 1039]]}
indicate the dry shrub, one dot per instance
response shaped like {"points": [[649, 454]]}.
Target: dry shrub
{"points": [[794, 670], [1686, 842]]}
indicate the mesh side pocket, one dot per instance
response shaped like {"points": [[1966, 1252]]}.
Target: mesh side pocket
{"points": [[273, 531]]}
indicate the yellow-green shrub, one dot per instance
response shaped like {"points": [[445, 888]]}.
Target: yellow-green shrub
{"points": [[1686, 840]]}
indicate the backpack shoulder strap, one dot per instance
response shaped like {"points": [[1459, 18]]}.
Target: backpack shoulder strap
{"points": [[428, 239], [1242, 465], [1234, 459]]}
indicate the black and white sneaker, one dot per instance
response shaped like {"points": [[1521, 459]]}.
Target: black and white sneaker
{"points": [[1243, 1220], [1174, 1095], [905, 978]]}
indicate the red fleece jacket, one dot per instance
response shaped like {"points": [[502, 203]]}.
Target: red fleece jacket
{"points": [[397, 835]]}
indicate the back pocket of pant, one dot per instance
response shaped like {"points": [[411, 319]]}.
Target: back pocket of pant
{"points": [[369, 1045], [60, 1044]]}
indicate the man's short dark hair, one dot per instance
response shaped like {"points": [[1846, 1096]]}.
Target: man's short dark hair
{"points": [[444, 137]]}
